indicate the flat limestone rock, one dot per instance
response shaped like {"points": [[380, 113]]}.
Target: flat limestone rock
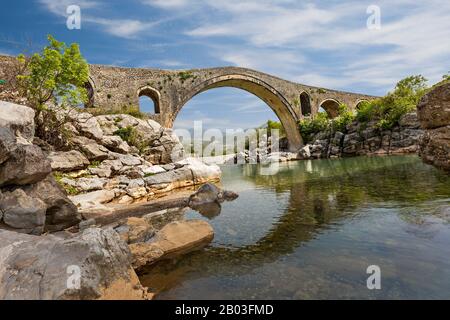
{"points": [[176, 238]]}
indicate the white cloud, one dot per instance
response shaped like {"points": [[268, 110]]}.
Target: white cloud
{"points": [[167, 4], [124, 28], [120, 28], [413, 39], [59, 7]]}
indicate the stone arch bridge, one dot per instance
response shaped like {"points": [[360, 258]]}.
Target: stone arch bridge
{"points": [[113, 88], [116, 87]]}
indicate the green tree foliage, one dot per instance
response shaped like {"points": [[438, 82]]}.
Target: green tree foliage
{"points": [[446, 76], [345, 117], [321, 122], [389, 109], [54, 82], [310, 126], [275, 125]]}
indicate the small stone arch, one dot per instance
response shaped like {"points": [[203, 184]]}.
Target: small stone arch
{"points": [[153, 94], [359, 102], [305, 104], [331, 106]]}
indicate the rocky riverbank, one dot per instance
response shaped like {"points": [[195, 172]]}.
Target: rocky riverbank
{"points": [[52, 245], [366, 139]]}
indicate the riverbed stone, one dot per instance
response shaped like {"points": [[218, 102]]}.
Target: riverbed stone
{"points": [[176, 238], [92, 198], [134, 230], [169, 180], [209, 193]]}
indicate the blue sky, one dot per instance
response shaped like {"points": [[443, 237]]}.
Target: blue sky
{"points": [[323, 43]]}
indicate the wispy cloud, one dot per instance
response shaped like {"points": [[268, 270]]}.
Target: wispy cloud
{"points": [[124, 28], [335, 47], [168, 4], [322, 43]]}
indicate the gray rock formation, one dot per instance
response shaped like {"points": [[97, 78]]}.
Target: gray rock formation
{"points": [[367, 138], [31, 201], [26, 164], [174, 239], [93, 265], [68, 161], [19, 119], [22, 212], [434, 115]]}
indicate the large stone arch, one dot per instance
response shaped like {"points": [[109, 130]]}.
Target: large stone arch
{"points": [[274, 99]]}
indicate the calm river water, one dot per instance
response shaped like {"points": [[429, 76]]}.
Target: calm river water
{"points": [[311, 230]]}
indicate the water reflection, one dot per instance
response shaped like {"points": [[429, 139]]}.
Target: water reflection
{"points": [[311, 230], [209, 210]]}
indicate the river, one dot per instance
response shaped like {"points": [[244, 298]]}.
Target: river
{"points": [[311, 229]]}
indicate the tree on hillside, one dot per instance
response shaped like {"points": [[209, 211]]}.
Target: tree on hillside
{"points": [[54, 83]]}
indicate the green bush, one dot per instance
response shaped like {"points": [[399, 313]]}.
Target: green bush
{"points": [[184, 75], [389, 109], [321, 122], [124, 133], [132, 137], [57, 74], [309, 127], [346, 116], [274, 125]]}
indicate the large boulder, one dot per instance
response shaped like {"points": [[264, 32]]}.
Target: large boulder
{"points": [[175, 239], [26, 164], [208, 193], [434, 115], [92, 265], [116, 144], [68, 161], [60, 212], [435, 147], [18, 118], [201, 171], [433, 109], [23, 212], [88, 125]]}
